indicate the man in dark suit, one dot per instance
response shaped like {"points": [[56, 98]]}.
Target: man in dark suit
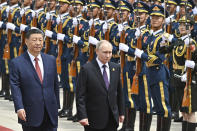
{"points": [[34, 86], [99, 95]]}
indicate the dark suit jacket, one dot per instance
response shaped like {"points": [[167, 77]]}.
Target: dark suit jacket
{"points": [[28, 92], [93, 100]]}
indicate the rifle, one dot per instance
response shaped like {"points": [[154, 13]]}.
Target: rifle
{"points": [[73, 67], [122, 54], [92, 33], [187, 91], [23, 32], [60, 43], [6, 54], [135, 84], [49, 23], [34, 21], [107, 32]]}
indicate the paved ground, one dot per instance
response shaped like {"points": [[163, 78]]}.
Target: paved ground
{"points": [[9, 119]]}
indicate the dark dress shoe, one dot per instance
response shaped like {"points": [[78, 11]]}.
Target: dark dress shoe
{"points": [[2, 93], [63, 113], [180, 119], [75, 118]]}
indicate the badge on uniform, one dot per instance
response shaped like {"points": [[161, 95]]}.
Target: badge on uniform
{"points": [[113, 69]]}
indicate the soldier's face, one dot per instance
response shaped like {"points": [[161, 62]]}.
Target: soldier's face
{"points": [[39, 3], [109, 12], [13, 1], [93, 12], [157, 21], [27, 2], [182, 10], [104, 52], [183, 30], [143, 17], [125, 15], [52, 4], [131, 1], [76, 9], [63, 7], [34, 43]]}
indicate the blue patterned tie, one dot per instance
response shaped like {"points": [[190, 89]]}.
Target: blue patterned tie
{"points": [[105, 76]]}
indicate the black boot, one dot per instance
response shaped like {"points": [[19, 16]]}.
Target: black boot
{"points": [[64, 111], [7, 87], [70, 106], [163, 123], [145, 121], [184, 124], [2, 92], [125, 120], [191, 126], [131, 120]]}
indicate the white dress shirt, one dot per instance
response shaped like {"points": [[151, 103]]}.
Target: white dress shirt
{"points": [[101, 68], [40, 62]]}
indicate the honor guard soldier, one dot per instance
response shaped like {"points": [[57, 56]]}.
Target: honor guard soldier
{"points": [[144, 98], [157, 72], [110, 28], [95, 32], [3, 35], [9, 15], [181, 49]]}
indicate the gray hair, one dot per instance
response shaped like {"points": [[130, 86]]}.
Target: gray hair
{"points": [[102, 42]]}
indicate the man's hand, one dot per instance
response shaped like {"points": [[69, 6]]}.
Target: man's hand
{"points": [[84, 122], [121, 119], [21, 114]]}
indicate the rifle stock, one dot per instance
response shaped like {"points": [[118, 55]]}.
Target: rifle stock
{"points": [[187, 91], [122, 57], [47, 40], [22, 37], [6, 55], [91, 47], [60, 51], [135, 84], [73, 67]]}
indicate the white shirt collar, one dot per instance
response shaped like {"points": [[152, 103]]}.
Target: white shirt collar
{"points": [[51, 12], [33, 57], [3, 4], [143, 26], [97, 19], [79, 16], [38, 10], [101, 64], [184, 37], [65, 14], [13, 6], [112, 19], [156, 32], [27, 7]]}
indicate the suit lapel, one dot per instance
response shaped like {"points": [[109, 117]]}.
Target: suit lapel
{"points": [[98, 73], [111, 70], [30, 66]]}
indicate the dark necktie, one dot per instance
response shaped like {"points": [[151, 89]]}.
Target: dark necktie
{"points": [[38, 69], [105, 76]]}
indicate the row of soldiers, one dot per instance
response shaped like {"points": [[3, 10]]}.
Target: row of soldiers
{"points": [[151, 41]]}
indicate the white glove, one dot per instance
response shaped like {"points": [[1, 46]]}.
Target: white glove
{"points": [[75, 21], [48, 33], [58, 20], [169, 19], [190, 64], [10, 26], [105, 27], [123, 47], [138, 52], [60, 36], [137, 32], [187, 41], [1, 23], [91, 22], [22, 27], [120, 27], [76, 39], [33, 13], [184, 77], [7, 9], [48, 16], [22, 12], [195, 11], [167, 37], [92, 40]]}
